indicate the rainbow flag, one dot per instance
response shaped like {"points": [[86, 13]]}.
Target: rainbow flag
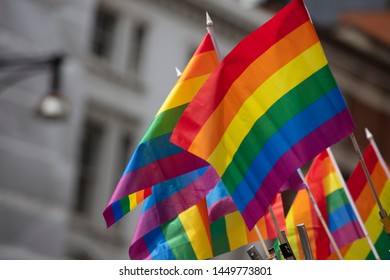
{"points": [[302, 211], [228, 229], [327, 188], [156, 160], [208, 229], [269, 107], [368, 208]]}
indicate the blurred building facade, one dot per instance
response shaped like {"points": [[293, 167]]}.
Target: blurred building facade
{"points": [[57, 176]]}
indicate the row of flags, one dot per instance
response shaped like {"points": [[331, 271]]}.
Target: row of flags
{"points": [[230, 138]]}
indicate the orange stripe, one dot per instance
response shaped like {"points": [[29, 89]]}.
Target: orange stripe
{"points": [[264, 66], [140, 196], [197, 66]]}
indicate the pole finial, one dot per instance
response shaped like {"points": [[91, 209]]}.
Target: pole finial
{"points": [[368, 134], [209, 22], [178, 72]]}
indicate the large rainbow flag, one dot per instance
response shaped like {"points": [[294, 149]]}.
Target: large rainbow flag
{"points": [[269, 107], [210, 228], [156, 160], [368, 208], [328, 191]]}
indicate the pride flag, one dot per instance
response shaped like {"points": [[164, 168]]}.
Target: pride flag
{"points": [[368, 208], [208, 229], [328, 191], [156, 160], [269, 107]]}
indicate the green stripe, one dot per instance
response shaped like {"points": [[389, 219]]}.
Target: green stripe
{"points": [[219, 237], [335, 200], [125, 205], [382, 246], [163, 123], [289, 105], [177, 240]]}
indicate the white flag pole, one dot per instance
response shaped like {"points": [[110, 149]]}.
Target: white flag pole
{"points": [[370, 138], [318, 211], [352, 202], [210, 30]]}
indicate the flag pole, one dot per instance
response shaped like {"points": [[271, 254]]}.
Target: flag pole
{"points": [[370, 138], [262, 243], [178, 72], [210, 30], [317, 209], [382, 212], [384, 217], [284, 246], [352, 202]]}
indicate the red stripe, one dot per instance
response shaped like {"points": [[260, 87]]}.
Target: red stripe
{"points": [[232, 66], [205, 46], [358, 180]]}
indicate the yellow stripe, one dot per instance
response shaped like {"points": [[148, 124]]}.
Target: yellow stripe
{"points": [[193, 225], [236, 230], [285, 79], [133, 200], [183, 93], [292, 233], [331, 183]]}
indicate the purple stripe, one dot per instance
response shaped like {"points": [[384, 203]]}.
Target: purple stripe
{"points": [[139, 250], [347, 234], [176, 203], [221, 208], [294, 183], [326, 135], [109, 216], [155, 173]]}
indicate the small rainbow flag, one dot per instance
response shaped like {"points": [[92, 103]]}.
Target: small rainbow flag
{"points": [[368, 208], [269, 107], [328, 191], [208, 229], [156, 159]]}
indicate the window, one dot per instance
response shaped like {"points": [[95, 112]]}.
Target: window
{"points": [[90, 149], [103, 36], [104, 153], [136, 45]]}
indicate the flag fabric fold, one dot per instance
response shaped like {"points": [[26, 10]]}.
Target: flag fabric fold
{"points": [[269, 107], [326, 186], [156, 160]]}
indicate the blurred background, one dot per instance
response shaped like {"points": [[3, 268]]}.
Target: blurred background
{"points": [[80, 81]]}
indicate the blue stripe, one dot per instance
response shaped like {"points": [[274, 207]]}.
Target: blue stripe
{"points": [[157, 245], [117, 210], [297, 128], [340, 217], [216, 194], [167, 188], [151, 151]]}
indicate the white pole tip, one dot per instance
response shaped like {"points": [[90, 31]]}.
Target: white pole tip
{"points": [[209, 22], [178, 72], [368, 134]]}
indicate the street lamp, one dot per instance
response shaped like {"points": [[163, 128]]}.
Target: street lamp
{"points": [[52, 105]]}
